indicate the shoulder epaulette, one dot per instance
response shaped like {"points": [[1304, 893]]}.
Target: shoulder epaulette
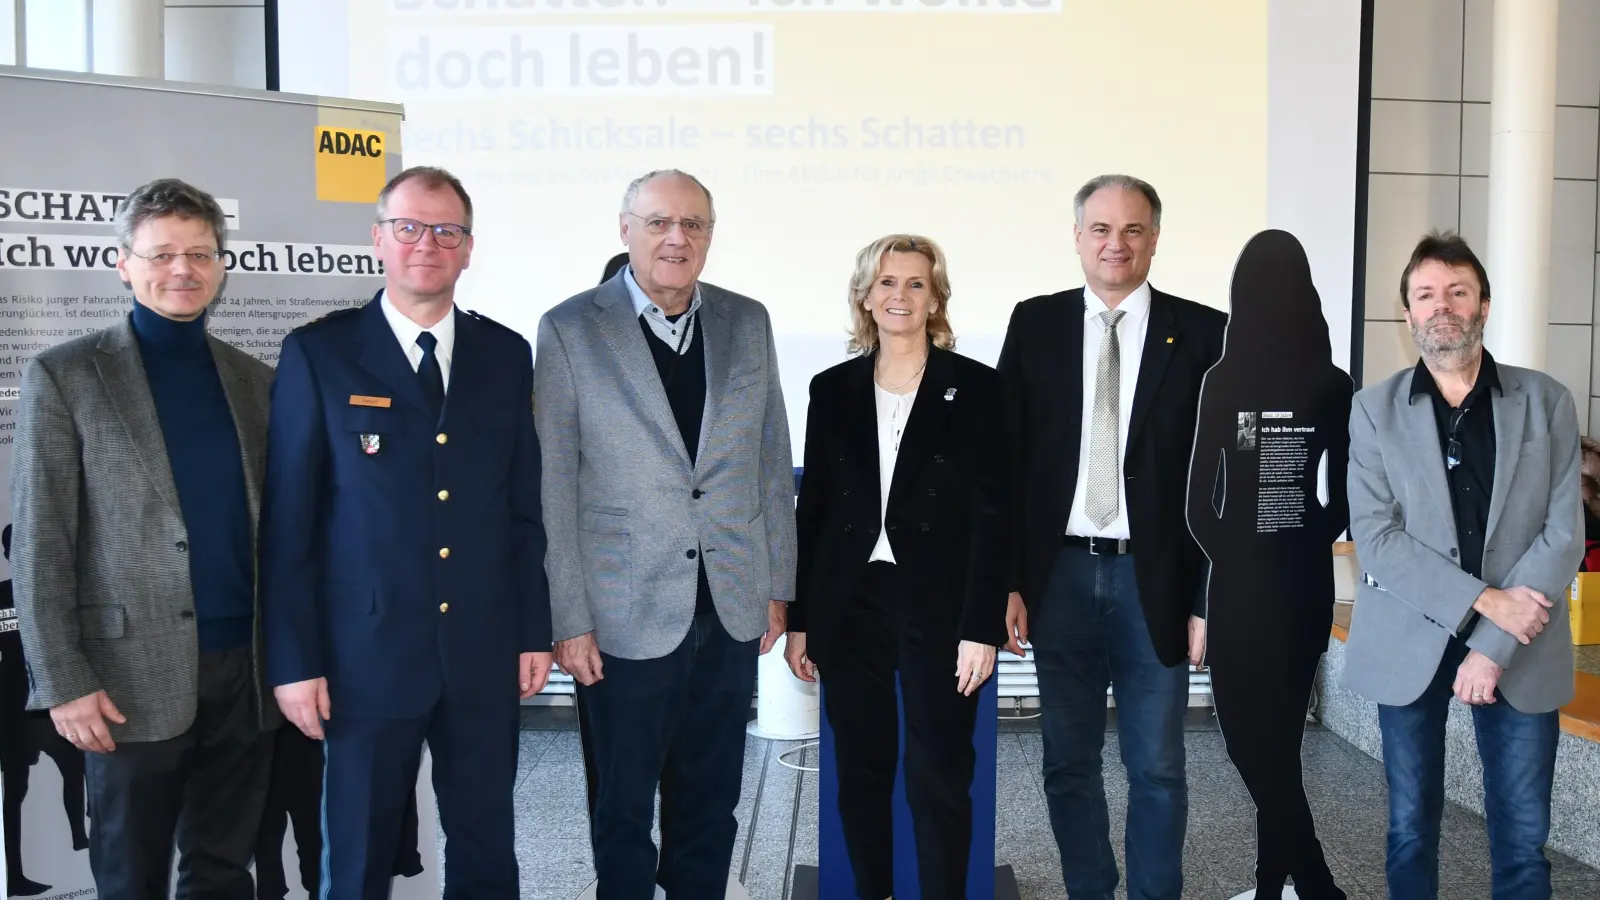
{"points": [[331, 314], [488, 321]]}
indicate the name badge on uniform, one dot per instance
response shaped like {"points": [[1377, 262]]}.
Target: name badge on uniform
{"points": [[374, 402], [370, 444]]}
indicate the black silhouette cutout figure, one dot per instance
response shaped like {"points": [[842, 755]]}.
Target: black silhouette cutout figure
{"points": [[1269, 411], [24, 736], [613, 265]]}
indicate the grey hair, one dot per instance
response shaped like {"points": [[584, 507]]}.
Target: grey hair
{"points": [[169, 197], [432, 178], [1127, 183], [631, 195]]}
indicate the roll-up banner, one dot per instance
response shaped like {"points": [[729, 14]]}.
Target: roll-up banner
{"points": [[298, 178]]}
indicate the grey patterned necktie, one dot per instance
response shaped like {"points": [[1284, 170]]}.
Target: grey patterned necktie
{"points": [[1104, 444]]}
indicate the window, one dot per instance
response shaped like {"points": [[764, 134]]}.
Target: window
{"points": [[56, 34]]}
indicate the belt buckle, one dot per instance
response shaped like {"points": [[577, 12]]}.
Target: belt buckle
{"points": [[1121, 545]]}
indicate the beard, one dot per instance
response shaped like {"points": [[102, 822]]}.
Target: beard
{"points": [[1448, 335]]}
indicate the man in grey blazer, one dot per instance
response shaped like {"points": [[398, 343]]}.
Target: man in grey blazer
{"points": [[1465, 509], [669, 509], [135, 486]]}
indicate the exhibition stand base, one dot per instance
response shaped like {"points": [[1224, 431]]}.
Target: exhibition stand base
{"points": [[736, 891], [805, 884]]}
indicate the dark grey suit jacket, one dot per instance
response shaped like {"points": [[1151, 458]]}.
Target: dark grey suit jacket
{"points": [[1415, 594], [102, 588]]}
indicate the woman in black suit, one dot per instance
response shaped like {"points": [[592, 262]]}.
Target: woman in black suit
{"points": [[902, 562]]}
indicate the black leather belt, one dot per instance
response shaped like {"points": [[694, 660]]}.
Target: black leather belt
{"points": [[1100, 546]]}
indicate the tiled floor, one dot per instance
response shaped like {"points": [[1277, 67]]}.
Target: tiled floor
{"points": [[777, 819], [1588, 658]]}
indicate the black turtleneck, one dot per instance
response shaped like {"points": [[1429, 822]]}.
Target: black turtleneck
{"points": [[203, 450]]}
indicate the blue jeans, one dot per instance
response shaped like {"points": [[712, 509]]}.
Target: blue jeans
{"points": [[1090, 633], [1518, 751]]}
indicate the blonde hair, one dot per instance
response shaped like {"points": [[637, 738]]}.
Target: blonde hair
{"points": [[869, 262]]}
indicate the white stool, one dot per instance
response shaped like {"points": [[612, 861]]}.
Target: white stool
{"points": [[787, 709], [736, 891]]}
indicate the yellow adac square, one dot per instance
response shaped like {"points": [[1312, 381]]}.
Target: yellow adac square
{"points": [[350, 164]]}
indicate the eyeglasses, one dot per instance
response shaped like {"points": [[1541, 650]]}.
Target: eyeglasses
{"points": [[691, 227], [447, 235], [167, 259], [1452, 446]]}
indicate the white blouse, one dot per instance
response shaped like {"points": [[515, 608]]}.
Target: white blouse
{"points": [[893, 412]]}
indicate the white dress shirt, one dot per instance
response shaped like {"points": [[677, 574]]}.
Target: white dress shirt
{"points": [[893, 412], [1131, 330], [406, 332]]}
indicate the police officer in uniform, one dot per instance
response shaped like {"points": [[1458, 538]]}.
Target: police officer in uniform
{"points": [[403, 553]]}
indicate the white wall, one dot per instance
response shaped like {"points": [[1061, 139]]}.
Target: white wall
{"points": [[1313, 105], [217, 42]]}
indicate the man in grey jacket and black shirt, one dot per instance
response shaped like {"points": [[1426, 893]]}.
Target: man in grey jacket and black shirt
{"points": [[1465, 509]]}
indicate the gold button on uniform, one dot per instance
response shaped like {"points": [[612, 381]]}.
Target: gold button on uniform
{"points": [[444, 552], [444, 607], [444, 495], [442, 438]]}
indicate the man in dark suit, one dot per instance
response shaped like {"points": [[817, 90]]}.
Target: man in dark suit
{"points": [[403, 552], [135, 483], [1107, 581]]}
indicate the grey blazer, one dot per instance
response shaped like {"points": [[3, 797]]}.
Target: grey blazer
{"points": [[625, 511], [1414, 595], [102, 586]]}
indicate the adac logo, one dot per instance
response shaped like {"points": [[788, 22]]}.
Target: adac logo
{"points": [[352, 164], [350, 143]]}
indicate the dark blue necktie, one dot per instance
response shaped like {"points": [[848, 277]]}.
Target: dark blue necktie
{"points": [[429, 372]]}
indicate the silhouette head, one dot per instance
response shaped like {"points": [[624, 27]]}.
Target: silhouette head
{"points": [[613, 266], [1275, 309]]}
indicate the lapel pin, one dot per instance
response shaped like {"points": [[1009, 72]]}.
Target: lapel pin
{"points": [[1169, 340], [950, 394], [370, 444]]}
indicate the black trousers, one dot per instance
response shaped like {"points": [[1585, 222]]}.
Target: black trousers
{"points": [[677, 721], [885, 632], [202, 791], [1261, 696], [591, 778], [295, 799]]}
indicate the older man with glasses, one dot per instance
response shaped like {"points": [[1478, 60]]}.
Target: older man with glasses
{"points": [[669, 490], [136, 481]]}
